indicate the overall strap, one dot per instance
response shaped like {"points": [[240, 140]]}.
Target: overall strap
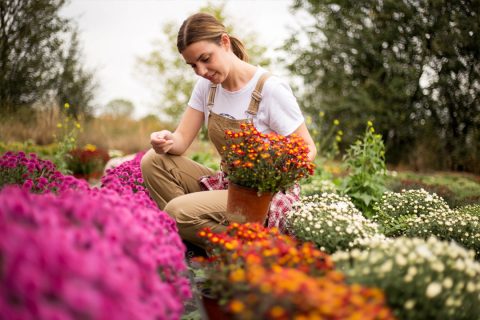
{"points": [[211, 96], [257, 94]]}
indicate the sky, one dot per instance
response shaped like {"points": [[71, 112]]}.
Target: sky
{"points": [[115, 33]]}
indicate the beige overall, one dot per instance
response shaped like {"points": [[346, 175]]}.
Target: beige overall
{"points": [[173, 181]]}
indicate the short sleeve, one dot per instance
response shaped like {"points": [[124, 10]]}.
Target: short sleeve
{"points": [[282, 110], [198, 98]]}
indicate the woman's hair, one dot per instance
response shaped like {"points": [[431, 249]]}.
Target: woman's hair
{"points": [[203, 26]]}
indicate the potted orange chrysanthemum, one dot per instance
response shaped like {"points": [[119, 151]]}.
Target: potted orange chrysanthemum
{"points": [[254, 272], [259, 165]]}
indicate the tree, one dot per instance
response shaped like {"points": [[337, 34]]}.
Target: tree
{"points": [[118, 108], [173, 76], [39, 56], [75, 85], [412, 66]]}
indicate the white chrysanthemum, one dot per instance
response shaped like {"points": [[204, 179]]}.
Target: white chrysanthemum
{"points": [[433, 290], [447, 283], [417, 274], [447, 225], [340, 225], [393, 207], [409, 304]]}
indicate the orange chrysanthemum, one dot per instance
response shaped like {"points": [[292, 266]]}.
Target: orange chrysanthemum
{"points": [[278, 162]]}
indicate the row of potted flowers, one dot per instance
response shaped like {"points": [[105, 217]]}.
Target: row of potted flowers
{"points": [[259, 273], [422, 254], [71, 251]]}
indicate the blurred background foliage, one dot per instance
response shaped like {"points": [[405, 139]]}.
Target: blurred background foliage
{"points": [[411, 67], [40, 59]]}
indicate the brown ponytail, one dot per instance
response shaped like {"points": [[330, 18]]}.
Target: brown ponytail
{"points": [[203, 26], [238, 48]]}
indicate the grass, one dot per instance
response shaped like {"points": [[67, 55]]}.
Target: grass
{"points": [[38, 127], [458, 189]]}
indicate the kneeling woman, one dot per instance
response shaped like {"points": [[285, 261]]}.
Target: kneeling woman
{"points": [[229, 91]]}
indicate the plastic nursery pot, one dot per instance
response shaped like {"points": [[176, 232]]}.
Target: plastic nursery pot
{"points": [[248, 203]]}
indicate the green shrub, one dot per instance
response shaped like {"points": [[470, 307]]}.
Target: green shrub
{"points": [[206, 159], [66, 138], [365, 163]]}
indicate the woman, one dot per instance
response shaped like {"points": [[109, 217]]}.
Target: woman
{"points": [[229, 91]]}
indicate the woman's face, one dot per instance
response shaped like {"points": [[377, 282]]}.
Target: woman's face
{"points": [[209, 60]]}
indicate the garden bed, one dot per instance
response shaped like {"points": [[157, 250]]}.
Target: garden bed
{"points": [[418, 252]]}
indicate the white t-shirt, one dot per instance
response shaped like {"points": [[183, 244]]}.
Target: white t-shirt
{"points": [[278, 111]]}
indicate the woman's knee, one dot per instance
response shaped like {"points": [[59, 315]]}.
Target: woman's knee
{"points": [[173, 209], [178, 209], [152, 160], [191, 219], [147, 161], [186, 211]]}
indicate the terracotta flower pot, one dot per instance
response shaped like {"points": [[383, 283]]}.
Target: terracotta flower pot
{"points": [[208, 303], [213, 309], [248, 203]]}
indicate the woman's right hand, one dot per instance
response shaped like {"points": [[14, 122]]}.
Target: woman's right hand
{"points": [[161, 141]]}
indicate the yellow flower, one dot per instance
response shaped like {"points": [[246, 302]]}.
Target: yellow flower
{"points": [[230, 245], [372, 130], [309, 120], [77, 125], [90, 147], [59, 125], [237, 306], [321, 114], [277, 311], [336, 122], [265, 288], [340, 132], [338, 138], [66, 105], [237, 275], [369, 123]]}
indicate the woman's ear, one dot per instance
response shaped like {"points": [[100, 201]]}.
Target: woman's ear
{"points": [[225, 42]]}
